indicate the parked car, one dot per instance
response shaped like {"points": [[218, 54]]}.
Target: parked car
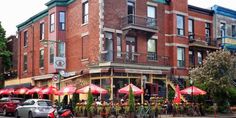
{"points": [[34, 108], [9, 104]]}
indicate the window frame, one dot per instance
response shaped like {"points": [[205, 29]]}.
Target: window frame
{"points": [[85, 16], [191, 33], [222, 29], [208, 28], [51, 54], [179, 29], [198, 61], [181, 63], [41, 58], [52, 22], [119, 46], [25, 60], [191, 58], [26, 37], [152, 55], [61, 22], [42, 31], [233, 28]]}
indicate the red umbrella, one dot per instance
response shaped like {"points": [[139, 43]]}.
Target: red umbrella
{"points": [[193, 90], [177, 99], [70, 89], [94, 89], [7, 91], [49, 90], [1, 91], [34, 90], [21, 91], [136, 90]]}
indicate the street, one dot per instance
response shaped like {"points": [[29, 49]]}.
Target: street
{"points": [[6, 117]]}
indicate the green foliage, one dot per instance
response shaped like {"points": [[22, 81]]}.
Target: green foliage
{"points": [[215, 76], [4, 53], [89, 101], [64, 101], [171, 94], [131, 100], [75, 100]]}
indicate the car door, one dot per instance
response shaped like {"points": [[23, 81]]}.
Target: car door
{"points": [[27, 107]]}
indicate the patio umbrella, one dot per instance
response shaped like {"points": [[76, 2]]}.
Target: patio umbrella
{"points": [[177, 99], [34, 90], [192, 90], [1, 91], [70, 89], [49, 90], [22, 90], [136, 90], [94, 89], [7, 91]]}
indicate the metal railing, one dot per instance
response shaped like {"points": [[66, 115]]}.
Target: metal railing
{"points": [[139, 21], [210, 41], [135, 58]]}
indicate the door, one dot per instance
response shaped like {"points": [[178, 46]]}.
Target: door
{"points": [[131, 12], [130, 49], [109, 46]]}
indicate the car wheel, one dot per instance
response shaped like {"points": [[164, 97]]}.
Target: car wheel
{"points": [[4, 112], [16, 114], [30, 115]]}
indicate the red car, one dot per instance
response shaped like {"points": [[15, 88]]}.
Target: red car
{"points": [[8, 105]]}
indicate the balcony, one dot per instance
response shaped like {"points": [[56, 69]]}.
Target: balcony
{"points": [[202, 41], [134, 58], [134, 22]]}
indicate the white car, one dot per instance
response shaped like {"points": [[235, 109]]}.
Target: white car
{"points": [[34, 108]]}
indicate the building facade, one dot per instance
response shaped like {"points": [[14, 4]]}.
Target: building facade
{"points": [[111, 43]]}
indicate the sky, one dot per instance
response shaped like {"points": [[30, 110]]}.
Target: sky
{"points": [[14, 12]]}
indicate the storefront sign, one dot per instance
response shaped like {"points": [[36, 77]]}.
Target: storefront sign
{"points": [[59, 62], [230, 41]]}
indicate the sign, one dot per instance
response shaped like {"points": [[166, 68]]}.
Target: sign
{"points": [[55, 78], [59, 62], [230, 41]]}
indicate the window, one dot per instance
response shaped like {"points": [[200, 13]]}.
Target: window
{"points": [[62, 20], [41, 31], [61, 49], [131, 11], [51, 54], [199, 57], [52, 22], [85, 46], [85, 12], [180, 57], [25, 62], [151, 14], [41, 58], [191, 29], [233, 31], [25, 38], [119, 45], [180, 25], [109, 46], [222, 29], [151, 49], [191, 57], [207, 30]]}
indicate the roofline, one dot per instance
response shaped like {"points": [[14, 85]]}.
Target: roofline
{"points": [[200, 10], [224, 11], [43, 13]]}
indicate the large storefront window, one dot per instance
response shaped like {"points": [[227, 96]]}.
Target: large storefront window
{"points": [[106, 84]]}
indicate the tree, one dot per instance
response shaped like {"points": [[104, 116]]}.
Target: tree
{"points": [[89, 104], [216, 76], [131, 100]]}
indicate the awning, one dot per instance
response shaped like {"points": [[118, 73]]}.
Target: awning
{"points": [[43, 77], [27, 85]]}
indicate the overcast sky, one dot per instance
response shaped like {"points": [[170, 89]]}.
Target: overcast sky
{"points": [[14, 12]]}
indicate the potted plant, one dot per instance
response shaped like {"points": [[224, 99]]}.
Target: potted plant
{"points": [[131, 103]]}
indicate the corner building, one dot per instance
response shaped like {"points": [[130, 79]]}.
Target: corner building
{"points": [[112, 43]]}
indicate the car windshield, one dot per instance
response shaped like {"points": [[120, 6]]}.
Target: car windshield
{"points": [[44, 103]]}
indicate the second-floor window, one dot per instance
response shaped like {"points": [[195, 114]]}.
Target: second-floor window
{"points": [[61, 49], [42, 31], [41, 58], [151, 49], [52, 22], [151, 14], [233, 30], [51, 54], [199, 57], [222, 29], [119, 45], [131, 11], [207, 30], [25, 38], [180, 57], [191, 57], [85, 12], [180, 25], [62, 20], [191, 29], [25, 62]]}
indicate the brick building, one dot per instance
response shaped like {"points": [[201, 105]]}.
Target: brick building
{"points": [[115, 42]]}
